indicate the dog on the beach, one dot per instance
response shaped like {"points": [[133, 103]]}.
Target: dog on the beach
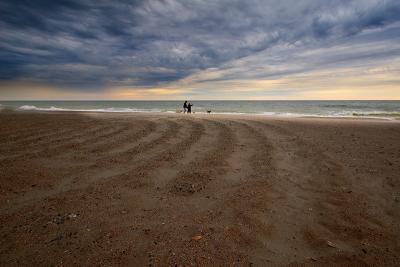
{"points": [[208, 111]]}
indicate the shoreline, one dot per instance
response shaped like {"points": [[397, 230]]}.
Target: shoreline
{"points": [[220, 115]]}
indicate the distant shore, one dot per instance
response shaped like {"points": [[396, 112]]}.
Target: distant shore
{"points": [[90, 188]]}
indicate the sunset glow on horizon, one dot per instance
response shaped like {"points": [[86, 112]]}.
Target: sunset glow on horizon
{"points": [[224, 50]]}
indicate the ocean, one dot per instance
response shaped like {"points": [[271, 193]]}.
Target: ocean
{"points": [[350, 108]]}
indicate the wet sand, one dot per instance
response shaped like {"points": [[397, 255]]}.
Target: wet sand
{"points": [[205, 190]]}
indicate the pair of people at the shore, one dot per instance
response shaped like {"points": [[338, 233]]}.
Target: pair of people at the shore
{"points": [[187, 107]]}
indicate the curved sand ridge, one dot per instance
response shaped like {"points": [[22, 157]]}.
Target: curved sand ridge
{"points": [[145, 189]]}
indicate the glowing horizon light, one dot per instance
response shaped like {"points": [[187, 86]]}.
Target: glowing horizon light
{"points": [[171, 50]]}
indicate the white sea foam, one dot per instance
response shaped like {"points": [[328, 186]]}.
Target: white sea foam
{"points": [[343, 114], [223, 113], [27, 107], [30, 107]]}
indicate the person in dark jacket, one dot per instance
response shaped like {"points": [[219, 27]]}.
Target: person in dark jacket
{"points": [[189, 108], [185, 107]]}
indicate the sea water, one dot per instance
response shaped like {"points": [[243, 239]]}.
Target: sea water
{"points": [[350, 108]]}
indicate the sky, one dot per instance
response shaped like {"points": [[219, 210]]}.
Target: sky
{"points": [[199, 49]]}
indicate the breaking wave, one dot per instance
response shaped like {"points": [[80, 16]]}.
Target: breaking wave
{"points": [[30, 107]]}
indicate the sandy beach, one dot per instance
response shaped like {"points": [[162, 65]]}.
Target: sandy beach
{"points": [[103, 189]]}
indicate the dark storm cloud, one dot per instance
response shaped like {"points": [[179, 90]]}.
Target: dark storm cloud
{"points": [[145, 43]]}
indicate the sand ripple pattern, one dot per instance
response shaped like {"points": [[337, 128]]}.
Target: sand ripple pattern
{"points": [[173, 190]]}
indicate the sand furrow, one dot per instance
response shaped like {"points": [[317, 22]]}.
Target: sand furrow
{"points": [[302, 170], [245, 187], [79, 147], [130, 152], [76, 133], [164, 165], [104, 165], [15, 131], [230, 147], [84, 158], [75, 142], [168, 150], [20, 137], [27, 125], [106, 136], [38, 132], [136, 131], [199, 173], [36, 139], [97, 171], [171, 150], [153, 130], [58, 144], [191, 150]]}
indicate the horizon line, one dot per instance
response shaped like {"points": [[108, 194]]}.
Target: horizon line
{"points": [[259, 100]]}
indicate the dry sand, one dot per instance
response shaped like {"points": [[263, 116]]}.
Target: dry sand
{"points": [[204, 190]]}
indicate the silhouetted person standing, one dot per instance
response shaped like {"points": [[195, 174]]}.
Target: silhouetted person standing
{"points": [[185, 107], [189, 108]]}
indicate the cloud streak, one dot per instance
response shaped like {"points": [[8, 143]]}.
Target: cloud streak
{"points": [[92, 45]]}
